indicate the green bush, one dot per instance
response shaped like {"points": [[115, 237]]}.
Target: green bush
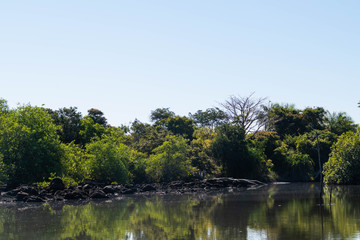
{"points": [[292, 165], [29, 145], [344, 163], [74, 163], [108, 158], [233, 154], [137, 167], [170, 161]]}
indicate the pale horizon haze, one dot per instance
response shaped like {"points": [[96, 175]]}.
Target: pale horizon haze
{"points": [[127, 58]]}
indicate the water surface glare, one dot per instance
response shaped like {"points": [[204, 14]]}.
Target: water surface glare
{"points": [[282, 211]]}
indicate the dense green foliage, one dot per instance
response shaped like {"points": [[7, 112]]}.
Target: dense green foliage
{"points": [[29, 145], [108, 158], [245, 139], [170, 161], [231, 151], [343, 166]]}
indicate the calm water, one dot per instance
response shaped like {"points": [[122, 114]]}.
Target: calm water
{"points": [[291, 211]]}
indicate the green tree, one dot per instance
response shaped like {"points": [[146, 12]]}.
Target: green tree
{"points": [[161, 114], [98, 117], [29, 144], [307, 144], [108, 158], [292, 165], [287, 120], [90, 130], [74, 163], [231, 151], [180, 126], [210, 118], [339, 123], [344, 163], [170, 161], [69, 119], [4, 107], [145, 137], [201, 155], [137, 167]]}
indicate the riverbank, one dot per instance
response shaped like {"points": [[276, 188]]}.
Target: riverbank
{"points": [[56, 191]]}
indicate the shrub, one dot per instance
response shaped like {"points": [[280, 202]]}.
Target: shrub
{"points": [[170, 161], [29, 144], [231, 151], [74, 163], [108, 158], [344, 163]]}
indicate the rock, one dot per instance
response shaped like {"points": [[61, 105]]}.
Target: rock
{"points": [[73, 195], [12, 192], [176, 184], [98, 194], [148, 187], [109, 189], [57, 184], [30, 190], [34, 199], [129, 191], [20, 196]]}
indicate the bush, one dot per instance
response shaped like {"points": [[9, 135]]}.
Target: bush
{"points": [[137, 167], [291, 164], [108, 159], [74, 163], [29, 144], [231, 151], [170, 161], [344, 163], [200, 152]]}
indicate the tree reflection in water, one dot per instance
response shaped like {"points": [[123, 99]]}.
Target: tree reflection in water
{"points": [[290, 211]]}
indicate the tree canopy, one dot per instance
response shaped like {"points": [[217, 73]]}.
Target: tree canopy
{"points": [[245, 139]]}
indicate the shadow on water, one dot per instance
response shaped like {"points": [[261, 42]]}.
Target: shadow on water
{"points": [[282, 211]]}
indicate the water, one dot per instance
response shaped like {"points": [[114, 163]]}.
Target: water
{"points": [[285, 211]]}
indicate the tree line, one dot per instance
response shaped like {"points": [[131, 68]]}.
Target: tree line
{"points": [[245, 137]]}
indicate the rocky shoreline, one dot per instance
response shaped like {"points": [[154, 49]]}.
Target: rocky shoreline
{"points": [[56, 191]]}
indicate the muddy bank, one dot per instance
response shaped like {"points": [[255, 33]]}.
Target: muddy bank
{"points": [[56, 191]]}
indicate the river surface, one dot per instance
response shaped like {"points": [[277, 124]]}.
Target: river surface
{"points": [[281, 211]]}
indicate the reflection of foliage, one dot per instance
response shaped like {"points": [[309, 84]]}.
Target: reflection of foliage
{"points": [[178, 217], [176, 220], [280, 212], [94, 222], [307, 219]]}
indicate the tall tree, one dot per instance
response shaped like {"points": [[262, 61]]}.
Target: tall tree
{"points": [[246, 112], [160, 114], [210, 118], [231, 151], [339, 123], [180, 126], [287, 120], [69, 119], [4, 107], [97, 116], [145, 137]]}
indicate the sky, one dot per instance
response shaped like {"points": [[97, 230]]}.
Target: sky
{"points": [[128, 58]]}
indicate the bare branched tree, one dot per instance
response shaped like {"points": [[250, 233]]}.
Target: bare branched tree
{"points": [[246, 112]]}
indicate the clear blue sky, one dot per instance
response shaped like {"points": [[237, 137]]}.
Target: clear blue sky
{"points": [[127, 58]]}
